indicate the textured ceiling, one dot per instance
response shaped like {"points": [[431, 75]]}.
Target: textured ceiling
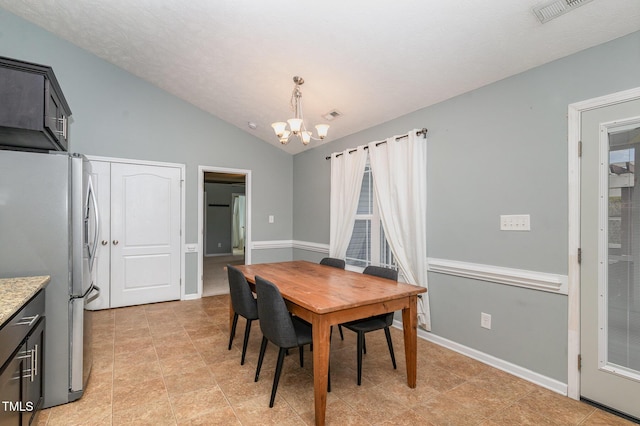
{"points": [[372, 61]]}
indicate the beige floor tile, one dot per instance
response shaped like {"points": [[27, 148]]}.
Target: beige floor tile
{"points": [[375, 405], [92, 408], [128, 395], [190, 380], [442, 410], [194, 404], [141, 356], [153, 412], [171, 348], [242, 387], [411, 397], [602, 418], [556, 407], [257, 412], [169, 363], [181, 362], [438, 378], [338, 413], [406, 418], [516, 414], [481, 402], [132, 374], [503, 385], [225, 416], [42, 417]]}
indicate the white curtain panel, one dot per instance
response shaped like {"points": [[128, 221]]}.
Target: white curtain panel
{"points": [[235, 231], [347, 170], [399, 169]]}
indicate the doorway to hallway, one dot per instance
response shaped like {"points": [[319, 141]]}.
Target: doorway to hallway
{"points": [[224, 226]]}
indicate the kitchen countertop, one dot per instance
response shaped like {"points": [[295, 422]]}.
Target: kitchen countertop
{"points": [[16, 292]]}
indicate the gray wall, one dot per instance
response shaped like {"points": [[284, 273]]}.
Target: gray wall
{"points": [[116, 114], [500, 149]]}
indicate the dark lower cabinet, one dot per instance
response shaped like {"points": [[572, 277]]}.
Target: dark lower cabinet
{"points": [[33, 376], [12, 388], [21, 374]]}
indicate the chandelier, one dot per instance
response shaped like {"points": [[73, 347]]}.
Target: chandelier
{"points": [[296, 124]]}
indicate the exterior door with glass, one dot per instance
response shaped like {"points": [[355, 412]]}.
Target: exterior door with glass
{"points": [[610, 267]]}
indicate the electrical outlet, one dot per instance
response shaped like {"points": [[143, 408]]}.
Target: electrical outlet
{"points": [[485, 320], [219, 245]]}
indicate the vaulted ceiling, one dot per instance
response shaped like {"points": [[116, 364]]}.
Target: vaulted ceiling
{"points": [[372, 61]]}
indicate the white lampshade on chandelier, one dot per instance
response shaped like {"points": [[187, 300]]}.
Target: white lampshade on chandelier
{"points": [[296, 124]]}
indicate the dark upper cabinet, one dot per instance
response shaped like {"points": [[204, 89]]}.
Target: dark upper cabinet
{"points": [[34, 115]]}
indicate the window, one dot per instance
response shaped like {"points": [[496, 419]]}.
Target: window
{"points": [[368, 245]]}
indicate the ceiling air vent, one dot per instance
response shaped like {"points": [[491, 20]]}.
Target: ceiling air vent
{"points": [[332, 115], [553, 9]]}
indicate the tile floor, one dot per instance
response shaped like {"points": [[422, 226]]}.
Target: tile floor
{"points": [[168, 363], [214, 273]]}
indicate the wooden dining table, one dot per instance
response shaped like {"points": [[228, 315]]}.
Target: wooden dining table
{"points": [[326, 296]]}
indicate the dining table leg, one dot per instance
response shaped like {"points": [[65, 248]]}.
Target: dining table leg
{"points": [[410, 328], [321, 349]]}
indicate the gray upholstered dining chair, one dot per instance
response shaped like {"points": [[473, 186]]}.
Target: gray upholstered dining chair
{"points": [[377, 322], [278, 327], [244, 304], [340, 264], [332, 261]]}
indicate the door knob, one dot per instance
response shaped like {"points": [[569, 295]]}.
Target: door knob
{"points": [[105, 242], [115, 242]]}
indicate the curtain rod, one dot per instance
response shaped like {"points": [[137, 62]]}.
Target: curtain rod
{"points": [[422, 132]]}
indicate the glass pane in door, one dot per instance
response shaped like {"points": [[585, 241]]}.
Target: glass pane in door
{"points": [[623, 271]]}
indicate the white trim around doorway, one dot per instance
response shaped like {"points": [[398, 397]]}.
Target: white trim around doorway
{"points": [[574, 137], [211, 169]]}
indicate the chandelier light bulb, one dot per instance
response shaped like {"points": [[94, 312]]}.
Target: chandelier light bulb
{"points": [[322, 130], [295, 124], [284, 139], [279, 127], [306, 137]]}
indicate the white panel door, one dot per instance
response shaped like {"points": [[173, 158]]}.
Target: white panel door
{"points": [[145, 234], [610, 268]]}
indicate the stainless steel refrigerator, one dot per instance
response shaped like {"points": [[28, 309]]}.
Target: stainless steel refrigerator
{"points": [[49, 226]]}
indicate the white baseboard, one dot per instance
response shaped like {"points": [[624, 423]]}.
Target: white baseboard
{"points": [[518, 371], [190, 296]]}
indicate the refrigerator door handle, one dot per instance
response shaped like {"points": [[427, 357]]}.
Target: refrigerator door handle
{"points": [[91, 198], [94, 296], [82, 296]]}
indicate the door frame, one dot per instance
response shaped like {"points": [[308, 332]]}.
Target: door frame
{"points": [[183, 203], [247, 182], [574, 167]]}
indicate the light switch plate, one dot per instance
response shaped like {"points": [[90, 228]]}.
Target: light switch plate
{"points": [[515, 222], [485, 320]]}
